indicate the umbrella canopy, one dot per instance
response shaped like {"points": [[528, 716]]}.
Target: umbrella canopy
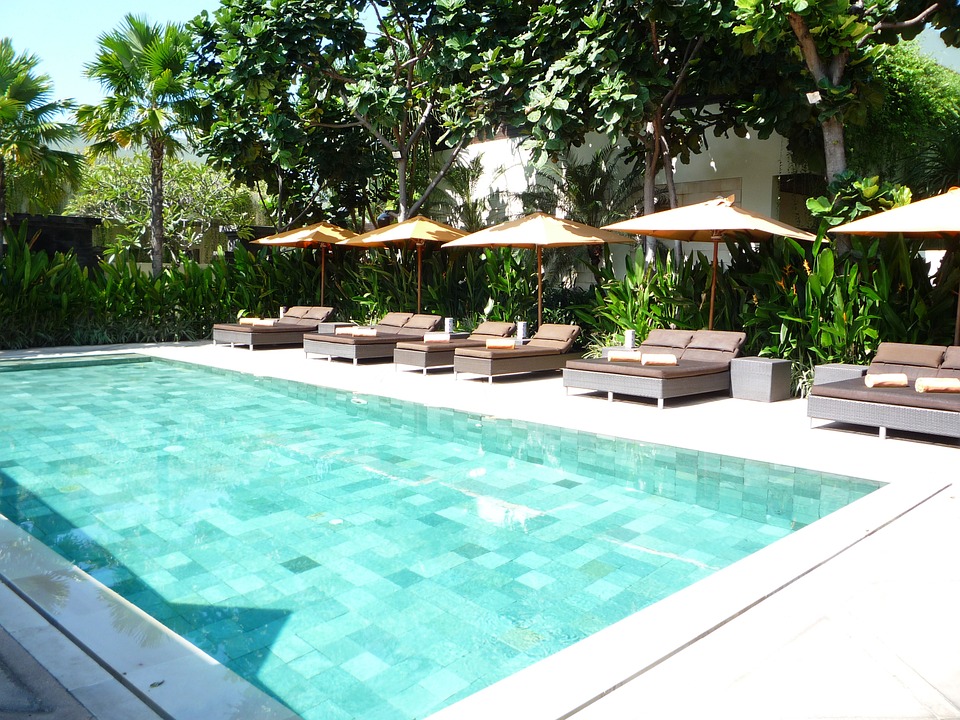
{"points": [[937, 217], [418, 230], [538, 231], [320, 233], [714, 221]]}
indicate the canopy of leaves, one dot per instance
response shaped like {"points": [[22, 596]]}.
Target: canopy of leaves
{"points": [[197, 198], [36, 172]]}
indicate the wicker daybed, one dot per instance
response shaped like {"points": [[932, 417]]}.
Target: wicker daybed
{"points": [[379, 345], [425, 355], [287, 330], [703, 366], [840, 393], [548, 349]]}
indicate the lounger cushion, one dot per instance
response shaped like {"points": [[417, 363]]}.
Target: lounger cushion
{"points": [[669, 338], [318, 314], [913, 360], [493, 328], [950, 366], [686, 369], [378, 339], [423, 322], [523, 351], [854, 389], [447, 347], [714, 346], [558, 337], [395, 319]]}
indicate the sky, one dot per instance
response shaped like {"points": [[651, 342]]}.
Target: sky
{"points": [[64, 33]]}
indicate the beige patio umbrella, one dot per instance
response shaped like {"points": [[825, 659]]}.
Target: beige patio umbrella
{"points": [[935, 218], [319, 234], [538, 231], [714, 221], [418, 230]]}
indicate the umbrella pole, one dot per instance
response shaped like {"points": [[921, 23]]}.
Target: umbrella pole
{"points": [[713, 281], [956, 327], [539, 287], [419, 270], [323, 269]]}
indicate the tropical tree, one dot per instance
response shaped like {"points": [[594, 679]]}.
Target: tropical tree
{"points": [[198, 199], [829, 47], [150, 103], [31, 133], [297, 86]]}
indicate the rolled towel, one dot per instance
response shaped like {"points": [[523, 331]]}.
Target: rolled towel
{"points": [[937, 384], [249, 320], [886, 380], [364, 332], [344, 330], [436, 337], [624, 356], [501, 343], [658, 359]]}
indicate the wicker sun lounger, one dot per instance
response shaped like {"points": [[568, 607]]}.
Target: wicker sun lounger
{"points": [[548, 349], [840, 394], [424, 355], [288, 330], [703, 366], [392, 329]]}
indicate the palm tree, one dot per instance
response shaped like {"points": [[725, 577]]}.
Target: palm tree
{"points": [[30, 133], [150, 103]]}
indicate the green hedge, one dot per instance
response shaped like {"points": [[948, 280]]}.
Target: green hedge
{"points": [[797, 302]]}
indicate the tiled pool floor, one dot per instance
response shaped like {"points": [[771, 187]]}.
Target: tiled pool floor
{"points": [[892, 460]]}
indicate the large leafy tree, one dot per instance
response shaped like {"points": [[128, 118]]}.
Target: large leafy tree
{"points": [[149, 103], [198, 198], [827, 48], [32, 132], [305, 98]]}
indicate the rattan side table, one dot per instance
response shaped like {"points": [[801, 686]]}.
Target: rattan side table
{"points": [[759, 378]]}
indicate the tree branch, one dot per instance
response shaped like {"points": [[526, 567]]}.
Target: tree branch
{"points": [[807, 46], [369, 126], [454, 153], [420, 126], [918, 20]]}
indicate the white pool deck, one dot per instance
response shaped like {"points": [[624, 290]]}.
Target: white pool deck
{"points": [[855, 616]]}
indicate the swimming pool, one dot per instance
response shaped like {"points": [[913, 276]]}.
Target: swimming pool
{"points": [[362, 556]]}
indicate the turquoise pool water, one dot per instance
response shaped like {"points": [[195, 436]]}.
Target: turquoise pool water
{"points": [[364, 557]]}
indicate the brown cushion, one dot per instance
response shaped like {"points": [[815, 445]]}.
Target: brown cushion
{"points": [[297, 311], [395, 319], [423, 322], [492, 328], [559, 337], [527, 350], [319, 313], [722, 340], [907, 354], [854, 389], [951, 358], [683, 370], [668, 338]]}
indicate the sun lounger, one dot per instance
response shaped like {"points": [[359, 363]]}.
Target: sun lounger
{"points": [[424, 355], [378, 344], [288, 330], [840, 392], [703, 366], [548, 349]]}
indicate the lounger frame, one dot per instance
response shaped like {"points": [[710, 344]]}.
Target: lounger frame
{"points": [[658, 389], [355, 352], [292, 336], [884, 416], [495, 367]]}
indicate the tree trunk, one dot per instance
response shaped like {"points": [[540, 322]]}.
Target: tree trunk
{"points": [[3, 204], [156, 206], [402, 188], [649, 198]]}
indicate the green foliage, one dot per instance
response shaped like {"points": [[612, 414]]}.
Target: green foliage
{"points": [[197, 197], [35, 173], [150, 103], [851, 196]]}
